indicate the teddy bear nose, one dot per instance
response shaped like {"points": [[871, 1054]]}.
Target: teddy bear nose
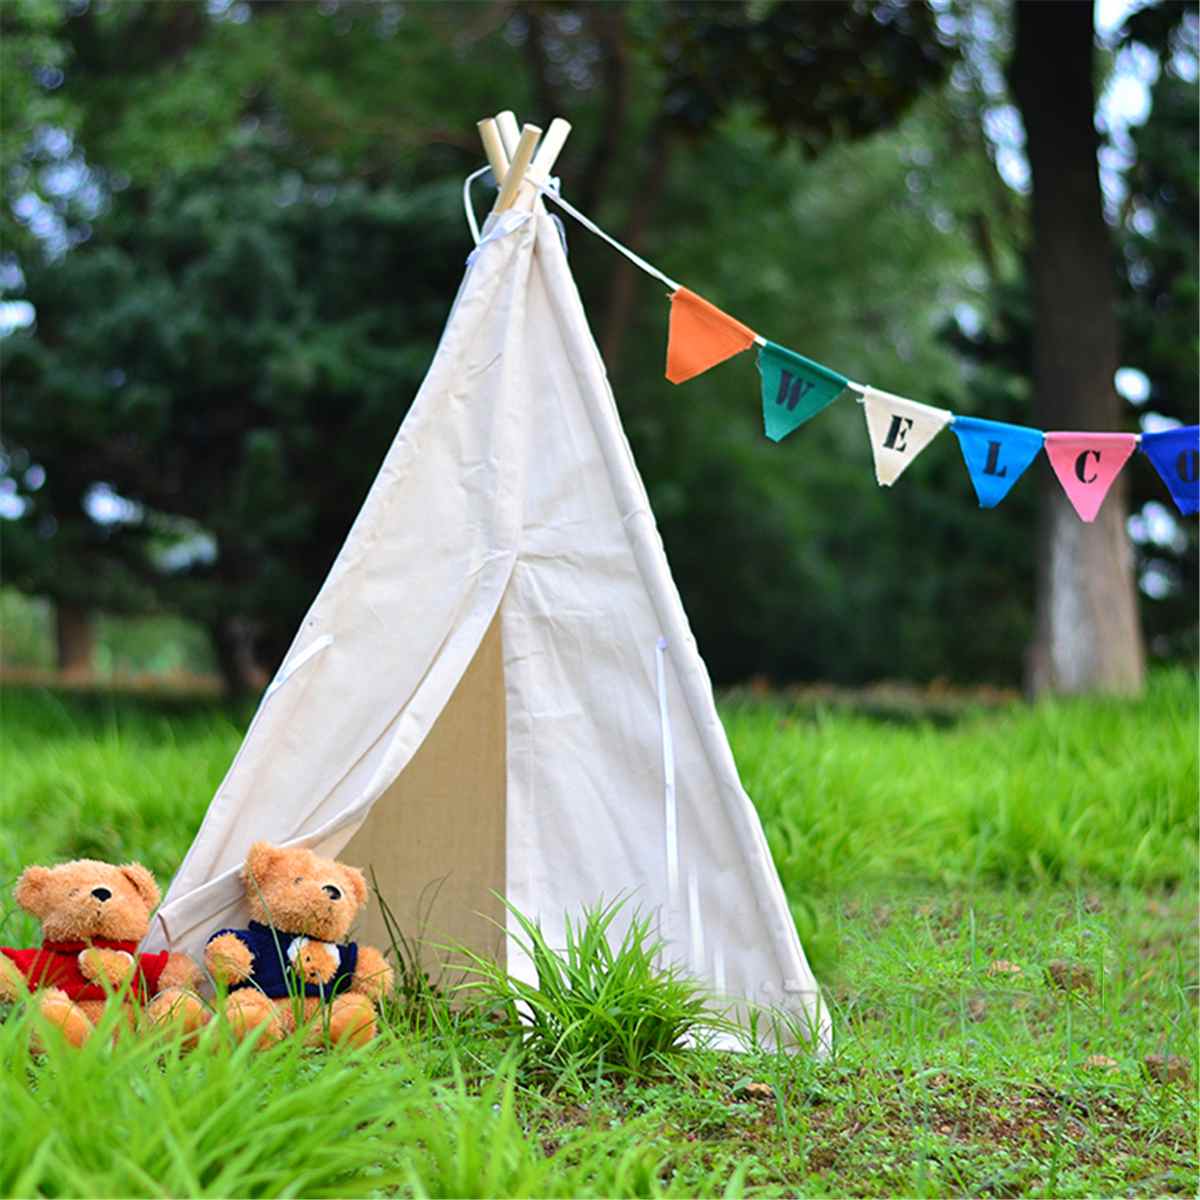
{"points": [[332, 892], [102, 893]]}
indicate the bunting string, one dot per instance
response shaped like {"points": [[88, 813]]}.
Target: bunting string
{"points": [[996, 454], [550, 189]]}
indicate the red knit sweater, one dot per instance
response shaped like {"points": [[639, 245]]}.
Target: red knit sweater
{"points": [[56, 964]]}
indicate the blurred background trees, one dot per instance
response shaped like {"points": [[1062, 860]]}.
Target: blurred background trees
{"points": [[232, 231]]}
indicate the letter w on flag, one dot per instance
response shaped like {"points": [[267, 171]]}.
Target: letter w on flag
{"points": [[794, 389]]}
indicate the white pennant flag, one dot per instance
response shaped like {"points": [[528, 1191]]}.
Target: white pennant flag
{"points": [[899, 430]]}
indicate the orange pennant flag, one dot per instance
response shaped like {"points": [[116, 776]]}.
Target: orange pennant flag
{"points": [[701, 336]]}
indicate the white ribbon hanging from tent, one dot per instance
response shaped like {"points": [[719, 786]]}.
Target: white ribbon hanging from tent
{"points": [[670, 811]]}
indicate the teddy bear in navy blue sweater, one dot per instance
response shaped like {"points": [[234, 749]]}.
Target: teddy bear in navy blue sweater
{"points": [[291, 968]]}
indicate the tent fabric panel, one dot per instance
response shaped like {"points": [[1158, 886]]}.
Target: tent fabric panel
{"points": [[589, 597]]}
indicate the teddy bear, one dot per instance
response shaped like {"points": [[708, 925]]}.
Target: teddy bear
{"points": [[93, 916], [292, 967]]}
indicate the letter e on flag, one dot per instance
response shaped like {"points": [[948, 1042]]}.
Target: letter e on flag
{"points": [[899, 430]]}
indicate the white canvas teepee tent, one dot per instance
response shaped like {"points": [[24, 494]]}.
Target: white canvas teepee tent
{"points": [[496, 693]]}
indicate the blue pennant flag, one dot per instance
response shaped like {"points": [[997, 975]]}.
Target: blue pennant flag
{"points": [[1175, 454], [996, 455]]}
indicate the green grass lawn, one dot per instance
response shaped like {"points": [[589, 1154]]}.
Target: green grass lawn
{"points": [[947, 878]]}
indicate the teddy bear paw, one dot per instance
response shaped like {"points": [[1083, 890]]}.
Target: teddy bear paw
{"points": [[108, 968], [350, 1022], [317, 962], [178, 1011], [248, 1011], [64, 1014]]}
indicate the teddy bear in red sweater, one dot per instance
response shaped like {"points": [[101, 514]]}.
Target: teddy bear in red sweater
{"points": [[93, 916]]}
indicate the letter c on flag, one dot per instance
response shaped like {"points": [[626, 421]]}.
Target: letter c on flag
{"points": [[1081, 467]]}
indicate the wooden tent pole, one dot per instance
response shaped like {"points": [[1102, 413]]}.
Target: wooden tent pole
{"points": [[517, 168], [549, 150], [510, 134], [494, 147]]}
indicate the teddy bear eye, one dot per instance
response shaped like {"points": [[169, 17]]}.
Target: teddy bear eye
{"points": [[297, 880]]}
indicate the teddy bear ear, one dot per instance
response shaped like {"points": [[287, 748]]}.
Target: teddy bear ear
{"points": [[260, 861], [358, 883], [32, 892], [143, 882]]}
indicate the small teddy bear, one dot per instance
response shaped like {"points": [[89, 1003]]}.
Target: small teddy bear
{"points": [[93, 916], [292, 961]]}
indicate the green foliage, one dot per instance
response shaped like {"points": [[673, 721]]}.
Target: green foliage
{"points": [[244, 283], [26, 631], [262, 286], [595, 1007], [33, 53], [251, 348], [872, 62], [125, 646]]}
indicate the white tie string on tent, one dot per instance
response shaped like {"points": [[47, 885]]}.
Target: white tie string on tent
{"points": [[550, 189], [670, 817], [468, 208]]}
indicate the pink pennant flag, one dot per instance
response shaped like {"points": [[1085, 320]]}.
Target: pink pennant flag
{"points": [[1086, 465]]}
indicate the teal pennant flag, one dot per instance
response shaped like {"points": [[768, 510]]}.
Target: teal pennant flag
{"points": [[794, 389]]}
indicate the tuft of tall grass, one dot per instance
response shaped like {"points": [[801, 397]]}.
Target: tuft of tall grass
{"points": [[595, 1008]]}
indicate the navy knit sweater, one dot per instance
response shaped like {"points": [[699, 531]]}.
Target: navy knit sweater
{"points": [[273, 972]]}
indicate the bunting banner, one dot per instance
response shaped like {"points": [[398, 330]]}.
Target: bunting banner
{"points": [[1086, 465], [996, 455], [1175, 454], [700, 335], [794, 389], [899, 430]]}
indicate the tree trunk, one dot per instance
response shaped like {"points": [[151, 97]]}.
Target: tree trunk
{"points": [[234, 642], [624, 277], [1087, 635], [75, 637]]}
